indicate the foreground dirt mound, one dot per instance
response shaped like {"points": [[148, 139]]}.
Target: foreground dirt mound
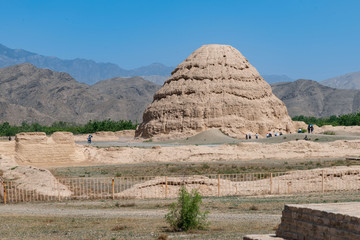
{"points": [[36, 147], [215, 87], [31, 179]]}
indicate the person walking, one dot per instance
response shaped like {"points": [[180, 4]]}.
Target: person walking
{"points": [[249, 135], [257, 136]]}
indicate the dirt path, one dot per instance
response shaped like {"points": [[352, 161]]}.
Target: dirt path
{"points": [[63, 210]]}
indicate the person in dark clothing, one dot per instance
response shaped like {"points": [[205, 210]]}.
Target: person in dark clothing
{"points": [[89, 138], [9, 138]]}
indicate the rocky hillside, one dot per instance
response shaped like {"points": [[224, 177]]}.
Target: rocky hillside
{"points": [[136, 91], [347, 81], [31, 94], [83, 70], [309, 98]]}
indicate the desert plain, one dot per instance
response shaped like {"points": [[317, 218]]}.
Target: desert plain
{"points": [[33, 160]]}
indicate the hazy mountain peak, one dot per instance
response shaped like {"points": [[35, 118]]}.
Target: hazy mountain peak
{"points": [[346, 81], [83, 70]]}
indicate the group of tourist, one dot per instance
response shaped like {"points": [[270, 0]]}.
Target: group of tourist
{"points": [[248, 136], [269, 134], [310, 129]]}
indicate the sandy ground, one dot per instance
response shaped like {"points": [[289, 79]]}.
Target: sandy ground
{"points": [[208, 146]]}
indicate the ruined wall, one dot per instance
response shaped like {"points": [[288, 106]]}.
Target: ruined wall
{"points": [[36, 147]]}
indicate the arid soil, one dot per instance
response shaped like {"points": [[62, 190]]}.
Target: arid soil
{"points": [[27, 158]]}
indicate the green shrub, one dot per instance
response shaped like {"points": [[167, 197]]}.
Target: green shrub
{"points": [[185, 214], [205, 166], [329, 133]]}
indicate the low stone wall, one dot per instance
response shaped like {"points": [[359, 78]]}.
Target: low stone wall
{"points": [[320, 221], [335, 221]]}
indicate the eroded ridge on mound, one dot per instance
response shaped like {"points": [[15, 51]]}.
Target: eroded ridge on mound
{"points": [[215, 87]]}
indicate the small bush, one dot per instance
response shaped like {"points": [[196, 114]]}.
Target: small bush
{"points": [[329, 133], [185, 214], [119, 228], [118, 174], [253, 208], [205, 166]]}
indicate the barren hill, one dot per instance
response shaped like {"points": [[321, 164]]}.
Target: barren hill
{"points": [[309, 98], [136, 91], [347, 81], [42, 95]]}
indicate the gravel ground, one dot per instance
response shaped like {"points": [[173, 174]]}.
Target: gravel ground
{"points": [[59, 210]]}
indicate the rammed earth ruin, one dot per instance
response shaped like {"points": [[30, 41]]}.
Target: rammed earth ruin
{"points": [[215, 87]]}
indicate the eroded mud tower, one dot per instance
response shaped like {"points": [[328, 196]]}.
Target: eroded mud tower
{"points": [[215, 87]]}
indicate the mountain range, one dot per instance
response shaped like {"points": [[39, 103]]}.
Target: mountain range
{"points": [[83, 70], [309, 98], [31, 94], [347, 81], [90, 72]]}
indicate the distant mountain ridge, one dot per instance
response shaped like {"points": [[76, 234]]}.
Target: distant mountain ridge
{"points": [[347, 81], [275, 78], [83, 70], [309, 98], [31, 94]]}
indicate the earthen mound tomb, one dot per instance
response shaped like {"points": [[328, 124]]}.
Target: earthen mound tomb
{"points": [[215, 87]]}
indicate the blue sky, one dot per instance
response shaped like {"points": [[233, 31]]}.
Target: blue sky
{"points": [[314, 39]]}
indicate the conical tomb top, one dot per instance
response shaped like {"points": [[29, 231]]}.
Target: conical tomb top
{"points": [[215, 87]]}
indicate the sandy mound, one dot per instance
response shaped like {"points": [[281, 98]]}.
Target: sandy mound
{"points": [[36, 147], [215, 87], [156, 188], [335, 179], [31, 179]]}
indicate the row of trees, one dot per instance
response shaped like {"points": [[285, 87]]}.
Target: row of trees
{"points": [[350, 119], [90, 127]]}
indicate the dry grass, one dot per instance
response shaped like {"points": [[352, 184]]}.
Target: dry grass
{"points": [[169, 169], [256, 215]]}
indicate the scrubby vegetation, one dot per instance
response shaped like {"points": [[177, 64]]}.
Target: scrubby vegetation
{"points": [[350, 119], [185, 214], [91, 127]]}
